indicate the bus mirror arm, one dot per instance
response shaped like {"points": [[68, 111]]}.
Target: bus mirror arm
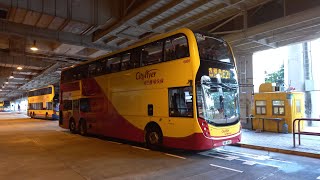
{"points": [[190, 82]]}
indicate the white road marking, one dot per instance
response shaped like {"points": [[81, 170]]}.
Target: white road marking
{"points": [[253, 156], [318, 177], [172, 155], [217, 157], [140, 148], [281, 161], [230, 158], [249, 163], [260, 163], [226, 168], [114, 142]]}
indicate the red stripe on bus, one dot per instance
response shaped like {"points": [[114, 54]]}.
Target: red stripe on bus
{"points": [[112, 124]]}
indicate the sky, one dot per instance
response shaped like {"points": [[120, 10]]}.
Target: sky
{"points": [[267, 61]]}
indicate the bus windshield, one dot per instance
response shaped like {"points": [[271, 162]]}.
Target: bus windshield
{"points": [[213, 49], [218, 102]]}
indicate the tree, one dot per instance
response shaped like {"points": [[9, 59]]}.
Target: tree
{"points": [[276, 77]]}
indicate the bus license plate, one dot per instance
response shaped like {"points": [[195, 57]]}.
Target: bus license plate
{"points": [[227, 142]]}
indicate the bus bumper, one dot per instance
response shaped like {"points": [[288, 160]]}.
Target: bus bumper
{"points": [[199, 142]]}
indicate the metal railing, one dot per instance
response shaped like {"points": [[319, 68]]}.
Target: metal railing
{"points": [[302, 132]]}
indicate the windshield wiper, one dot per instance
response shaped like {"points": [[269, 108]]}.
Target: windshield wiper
{"points": [[228, 86], [220, 85]]}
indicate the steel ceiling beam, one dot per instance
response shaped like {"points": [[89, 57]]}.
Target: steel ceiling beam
{"points": [[226, 15], [285, 22], [186, 10], [51, 35], [187, 21], [159, 11], [102, 32]]}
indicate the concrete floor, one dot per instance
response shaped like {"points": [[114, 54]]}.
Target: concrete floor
{"points": [[39, 149]]}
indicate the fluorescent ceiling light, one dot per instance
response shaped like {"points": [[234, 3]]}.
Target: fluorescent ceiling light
{"points": [[34, 47], [11, 77]]}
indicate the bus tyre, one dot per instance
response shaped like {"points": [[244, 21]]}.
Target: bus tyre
{"points": [[83, 127], [72, 126], [153, 138]]}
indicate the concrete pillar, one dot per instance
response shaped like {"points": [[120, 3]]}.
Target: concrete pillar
{"points": [[245, 76], [313, 85], [295, 64]]}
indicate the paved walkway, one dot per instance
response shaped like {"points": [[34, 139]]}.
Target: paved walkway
{"points": [[278, 142]]}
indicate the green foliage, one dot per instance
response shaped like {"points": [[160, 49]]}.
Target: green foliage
{"points": [[276, 77]]}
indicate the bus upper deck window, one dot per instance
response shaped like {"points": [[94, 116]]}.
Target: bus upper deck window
{"points": [[181, 51], [176, 47], [144, 57], [125, 62], [135, 58]]}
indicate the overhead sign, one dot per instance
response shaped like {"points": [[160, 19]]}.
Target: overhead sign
{"points": [[224, 73]]}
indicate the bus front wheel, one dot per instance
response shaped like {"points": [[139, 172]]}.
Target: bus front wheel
{"points": [[83, 127], [153, 137], [72, 126]]}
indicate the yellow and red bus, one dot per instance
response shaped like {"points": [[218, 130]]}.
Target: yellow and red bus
{"points": [[4, 106], [44, 103], [177, 89], [1, 106]]}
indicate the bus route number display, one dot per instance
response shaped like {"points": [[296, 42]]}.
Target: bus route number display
{"points": [[224, 74]]}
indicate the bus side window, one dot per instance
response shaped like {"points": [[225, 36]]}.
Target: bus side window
{"points": [[115, 63], [169, 52], [180, 102], [84, 105], [100, 68], [125, 62], [152, 53], [176, 47], [115, 67], [135, 58], [81, 72], [144, 57], [108, 65], [92, 70], [75, 104]]}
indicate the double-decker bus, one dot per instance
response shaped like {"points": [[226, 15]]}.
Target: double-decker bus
{"points": [[177, 89], [44, 102], [1, 106], [4, 106]]}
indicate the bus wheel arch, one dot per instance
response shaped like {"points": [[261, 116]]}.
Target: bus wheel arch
{"points": [[83, 127], [153, 135], [72, 125]]}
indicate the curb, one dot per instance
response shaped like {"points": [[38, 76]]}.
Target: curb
{"points": [[284, 151]]}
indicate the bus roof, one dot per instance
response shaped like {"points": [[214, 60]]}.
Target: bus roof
{"points": [[185, 31]]}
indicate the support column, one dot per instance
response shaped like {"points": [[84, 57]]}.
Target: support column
{"points": [[245, 76]]}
